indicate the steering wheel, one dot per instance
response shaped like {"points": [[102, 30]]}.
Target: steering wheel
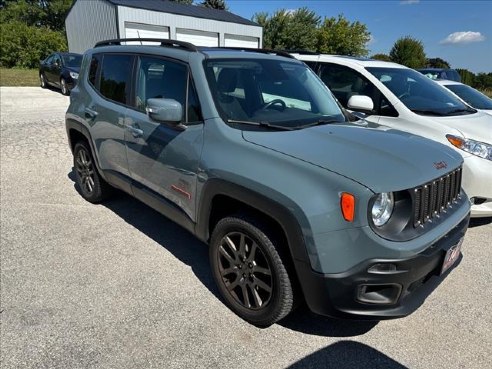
{"points": [[278, 102], [405, 94]]}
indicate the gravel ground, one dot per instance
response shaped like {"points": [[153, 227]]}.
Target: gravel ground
{"points": [[119, 286]]}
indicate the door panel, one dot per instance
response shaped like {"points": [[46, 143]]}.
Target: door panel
{"points": [[198, 38], [161, 157], [135, 30], [241, 41], [110, 75]]}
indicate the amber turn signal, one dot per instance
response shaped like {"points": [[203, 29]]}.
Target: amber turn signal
{"points": [[455, 141], [347, 205]]}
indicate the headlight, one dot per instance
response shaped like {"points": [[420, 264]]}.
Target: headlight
{"points": [[74, 75], [382, 208], [473, 147]]}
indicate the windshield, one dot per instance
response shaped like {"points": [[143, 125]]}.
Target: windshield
{"points": [[471, 96], [270, 92], [72, 60], [420, 94]]}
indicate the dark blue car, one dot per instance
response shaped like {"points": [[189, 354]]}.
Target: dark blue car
{"points": [[60, 70]]}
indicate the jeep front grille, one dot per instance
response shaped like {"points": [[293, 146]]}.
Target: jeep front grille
{"points": [[433, 198]]}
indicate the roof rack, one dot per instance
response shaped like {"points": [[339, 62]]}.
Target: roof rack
{"points": [[163, 42], [249, 49]]}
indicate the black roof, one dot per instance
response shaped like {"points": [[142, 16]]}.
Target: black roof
{"points": [[172, 7]]}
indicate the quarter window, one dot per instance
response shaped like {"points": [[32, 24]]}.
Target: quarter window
{"points": [[94, 70], [116, 75]]}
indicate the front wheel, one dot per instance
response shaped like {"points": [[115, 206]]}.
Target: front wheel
{"points": [[249, 272], [42, 81], [64, 88]]}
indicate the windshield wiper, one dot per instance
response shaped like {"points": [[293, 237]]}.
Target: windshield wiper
{"points": [[467, 110], [318, 123], [428, 112], [261, 124]]}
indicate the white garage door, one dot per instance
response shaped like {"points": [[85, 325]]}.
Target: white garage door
{"points": [[198, 38], [137, 30], [241, 41]]}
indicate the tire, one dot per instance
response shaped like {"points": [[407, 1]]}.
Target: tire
{"points": [[91, 185], [42, 81], [249, 272], [63, 86]]}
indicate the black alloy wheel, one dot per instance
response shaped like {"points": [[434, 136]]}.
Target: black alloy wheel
{"points": [[92, 187], [245, 270], [249, 271]]}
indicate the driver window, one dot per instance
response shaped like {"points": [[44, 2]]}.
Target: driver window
{"points": [[345, 82], [164, 79]]}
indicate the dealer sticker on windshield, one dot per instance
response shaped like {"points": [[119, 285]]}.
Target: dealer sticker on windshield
{"points": [[451, 256]]}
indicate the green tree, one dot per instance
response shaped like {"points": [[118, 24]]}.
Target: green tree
{"points": [[39, 13], [467, 77], [339, 36], [289, 29], [23, 46], [408, 51], [483, 81], [383, 57], [437, 63], [274, 28], [214, 4], [302, 29]]}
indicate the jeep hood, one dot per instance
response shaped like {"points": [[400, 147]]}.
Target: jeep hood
{"points": [[381, 159]]}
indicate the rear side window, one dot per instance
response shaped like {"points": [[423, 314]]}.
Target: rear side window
{"points": [[116, 74]]}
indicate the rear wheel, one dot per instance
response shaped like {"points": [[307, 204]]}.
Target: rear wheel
{"points": [[92, 186], [249, 272], [64, 87]]}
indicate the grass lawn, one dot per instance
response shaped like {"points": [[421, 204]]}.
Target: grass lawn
{"points": [[19, 77]]}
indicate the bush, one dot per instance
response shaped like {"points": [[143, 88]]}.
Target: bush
{"points": [[24, 46]]}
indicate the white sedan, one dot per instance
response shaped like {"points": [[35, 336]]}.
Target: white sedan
{"points": [[468, 94], [402, 98]]}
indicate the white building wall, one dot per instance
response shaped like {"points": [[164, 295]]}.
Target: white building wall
{"points": [[174, 21], [88, 22]]}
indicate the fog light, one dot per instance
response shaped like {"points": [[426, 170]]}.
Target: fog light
{"points": [[381, 294]]}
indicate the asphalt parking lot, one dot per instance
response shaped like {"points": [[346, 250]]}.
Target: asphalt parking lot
{"points": [[119, 286]]}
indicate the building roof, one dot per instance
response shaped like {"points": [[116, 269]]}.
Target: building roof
{"points": [[172, 7]]}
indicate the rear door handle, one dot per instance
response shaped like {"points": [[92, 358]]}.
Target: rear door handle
{"points": [[90, 114], [135, 131]]}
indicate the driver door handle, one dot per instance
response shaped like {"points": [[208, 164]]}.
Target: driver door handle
{"points": [[135, 130]]}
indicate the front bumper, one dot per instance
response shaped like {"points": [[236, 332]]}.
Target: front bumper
{"points": [[390, 292], [477, 179]]}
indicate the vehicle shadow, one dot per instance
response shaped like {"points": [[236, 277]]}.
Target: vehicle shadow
{"points": [[182, 244], [303, 320], [189, 250], [477, 222], [347, 355]]}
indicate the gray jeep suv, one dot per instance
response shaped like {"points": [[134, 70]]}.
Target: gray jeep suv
{"points": [[249, 151]]}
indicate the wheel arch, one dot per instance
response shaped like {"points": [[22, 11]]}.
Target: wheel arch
{"points": [[76, 131], [221, 198]]}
